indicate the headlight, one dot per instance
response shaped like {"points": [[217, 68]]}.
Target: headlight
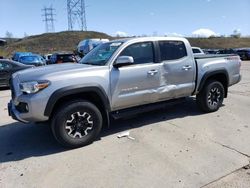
{"points": [[34, 86]]}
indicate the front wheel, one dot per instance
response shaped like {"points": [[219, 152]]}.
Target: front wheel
{"points": [[211, 96], [76, 124]]}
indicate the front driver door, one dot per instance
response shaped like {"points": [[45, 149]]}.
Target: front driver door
{"points": [[133, 85]]}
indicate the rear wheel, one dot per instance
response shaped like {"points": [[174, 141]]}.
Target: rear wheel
{"points": [[76, 124], [211, 96]]}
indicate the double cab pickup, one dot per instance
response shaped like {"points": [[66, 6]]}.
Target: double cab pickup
{"points": [[118, 78]]}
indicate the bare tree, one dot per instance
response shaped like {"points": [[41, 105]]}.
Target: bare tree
{"points": [[8, 35], [25, 35], [236, 33]]}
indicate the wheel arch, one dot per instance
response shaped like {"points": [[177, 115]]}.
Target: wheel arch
{"points": [[218, 75], [93, 94]]}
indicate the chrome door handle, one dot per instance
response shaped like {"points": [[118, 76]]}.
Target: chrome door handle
{"points": [[152, 72], [186, 67]]}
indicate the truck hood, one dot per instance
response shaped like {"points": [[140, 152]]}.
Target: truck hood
{"points": [[52, 72]]}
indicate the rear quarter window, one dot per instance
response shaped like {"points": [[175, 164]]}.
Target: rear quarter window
{"points": [[172, 50], [196, 51]]}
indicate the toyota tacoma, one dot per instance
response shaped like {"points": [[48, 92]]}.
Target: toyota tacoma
{"points": [[119, 78]]}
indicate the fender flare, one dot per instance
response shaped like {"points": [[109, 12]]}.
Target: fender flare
{"points": [[75, 89], [208, 75]]}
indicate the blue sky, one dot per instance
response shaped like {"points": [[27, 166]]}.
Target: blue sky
{"points": [[132, 17]]}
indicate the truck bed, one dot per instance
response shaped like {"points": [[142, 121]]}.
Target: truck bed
{"points": [[220, 63]]}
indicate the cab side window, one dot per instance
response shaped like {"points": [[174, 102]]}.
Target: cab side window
{"points": [[141, 52], [172, 50]]}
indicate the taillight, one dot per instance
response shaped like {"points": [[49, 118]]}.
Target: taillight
{"points": [[234, 58]]}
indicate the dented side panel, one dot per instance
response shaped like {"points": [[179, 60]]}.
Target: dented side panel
{"points": [[176, 79], [133, 85], [178, 76]]}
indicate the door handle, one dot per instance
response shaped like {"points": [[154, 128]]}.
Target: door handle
{"points": [[152, 72], [187, 67]]}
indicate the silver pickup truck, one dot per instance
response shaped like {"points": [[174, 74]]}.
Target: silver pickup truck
{"points": [[116, 79]]}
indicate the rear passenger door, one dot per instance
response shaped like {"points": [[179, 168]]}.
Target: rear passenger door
{"points": [[134, 85], [177, 70]]}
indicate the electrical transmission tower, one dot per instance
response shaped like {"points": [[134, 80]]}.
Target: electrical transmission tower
{"points": [[76, 14], [49, 19]]}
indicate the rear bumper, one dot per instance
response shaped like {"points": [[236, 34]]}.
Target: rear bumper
{"points": [[239, 78], [235, 80]]}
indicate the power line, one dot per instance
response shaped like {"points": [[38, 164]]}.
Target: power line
{"points": [[49, 18], [76, 14]]}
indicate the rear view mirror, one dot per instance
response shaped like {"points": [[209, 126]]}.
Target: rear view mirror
{"points": [[123, 61]]}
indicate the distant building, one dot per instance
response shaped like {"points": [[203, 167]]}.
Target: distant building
{"points": [[2, 42]]}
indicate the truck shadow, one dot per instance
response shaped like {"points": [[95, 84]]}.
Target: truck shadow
{"points": [[178, 111], [4, 88], [20, 141]]}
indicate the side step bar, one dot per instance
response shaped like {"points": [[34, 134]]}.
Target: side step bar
{"points": [[145, 108]]}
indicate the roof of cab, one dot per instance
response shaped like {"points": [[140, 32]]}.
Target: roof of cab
{"points": [[140, 39]]}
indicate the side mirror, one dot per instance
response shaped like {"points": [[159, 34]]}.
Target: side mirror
{"points": [[123, 61]]}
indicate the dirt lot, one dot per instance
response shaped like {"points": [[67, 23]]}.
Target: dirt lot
{"points": [[173, 147]]}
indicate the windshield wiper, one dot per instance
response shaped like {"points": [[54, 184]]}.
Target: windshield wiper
{"points": [[92, 63], [87, 63]]}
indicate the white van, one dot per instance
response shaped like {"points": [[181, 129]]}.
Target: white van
{"points": [[85, 46]]}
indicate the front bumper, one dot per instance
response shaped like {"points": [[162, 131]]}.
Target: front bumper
{"points": [[14, 113], [26, 108]]}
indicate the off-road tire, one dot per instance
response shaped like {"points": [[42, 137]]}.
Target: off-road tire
{"points": [[211, 97], [76, 124]]}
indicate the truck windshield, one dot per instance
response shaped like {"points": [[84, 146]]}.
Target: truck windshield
{"points": [[101, 54]]}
